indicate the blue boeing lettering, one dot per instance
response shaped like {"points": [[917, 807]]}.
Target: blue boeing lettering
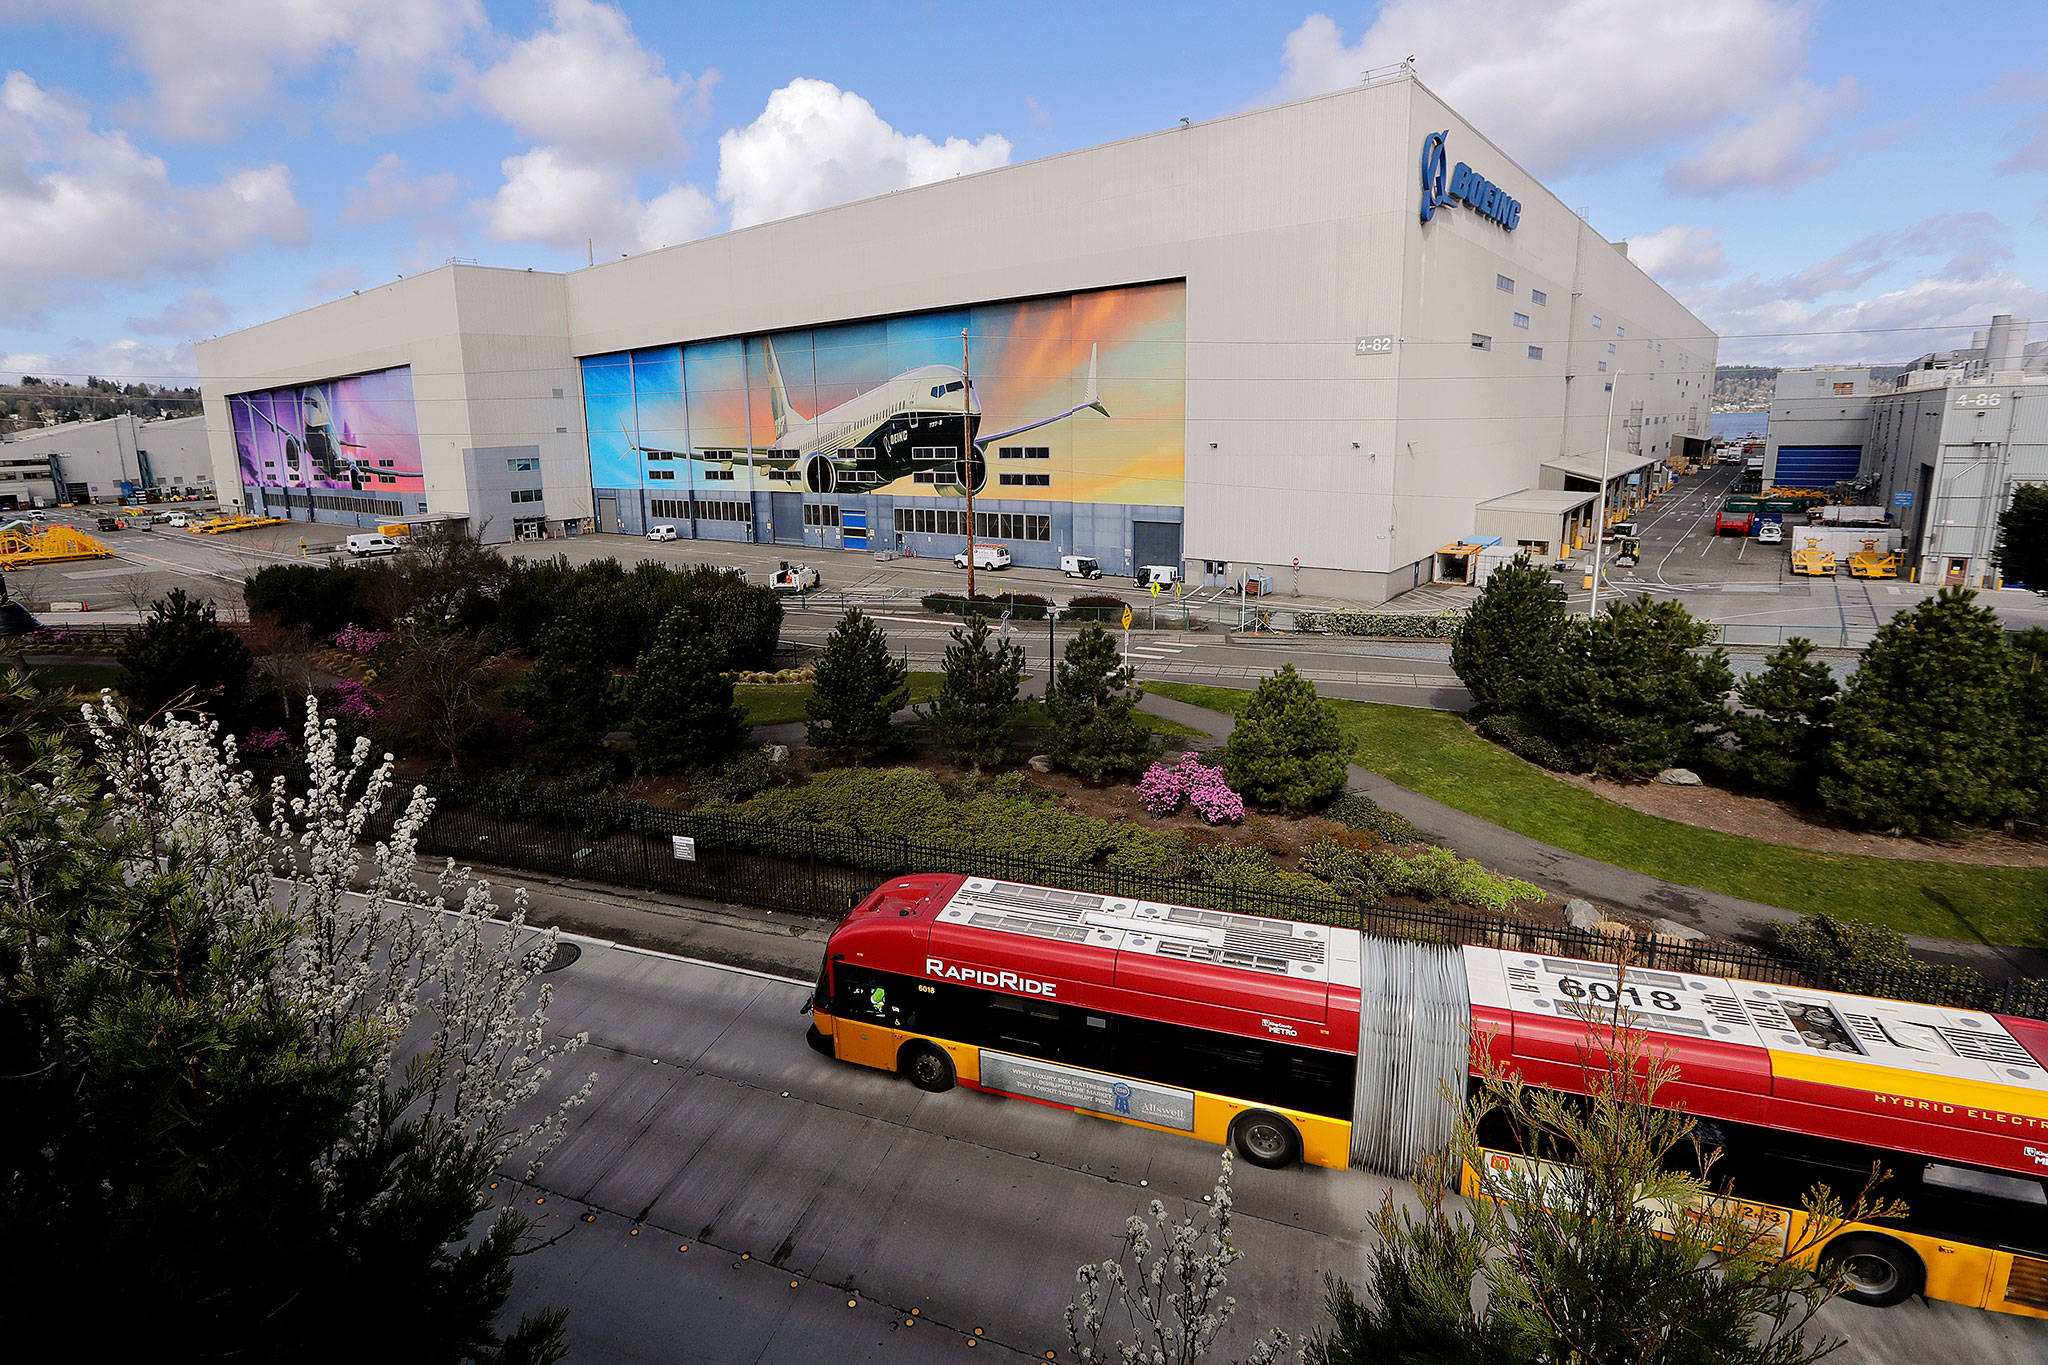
{"points": [[1463, 185]]}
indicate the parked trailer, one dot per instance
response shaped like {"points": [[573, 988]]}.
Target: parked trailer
{"points": [[1727, 523]]}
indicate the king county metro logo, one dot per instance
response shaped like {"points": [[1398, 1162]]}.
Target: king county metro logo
{"points": [[1478, 193]]}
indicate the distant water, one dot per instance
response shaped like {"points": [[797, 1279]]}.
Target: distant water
{"points": [[1734, 424]]}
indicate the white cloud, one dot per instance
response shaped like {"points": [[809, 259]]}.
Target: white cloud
{"points": [[329, 284], [682, 213], [585, 85], [558, 201], [81, 206], [127, 360], [1771, 150], [387, 193], [200, 311], [815, 145], [1572, 82], [211, 63], [1679, 252]]}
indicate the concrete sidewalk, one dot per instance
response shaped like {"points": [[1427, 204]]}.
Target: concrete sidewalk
{"points": [[1603, 883]]}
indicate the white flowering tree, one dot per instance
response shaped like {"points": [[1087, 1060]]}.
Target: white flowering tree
{"points": [[446, 988], [1167, 1283], [256, 1078]]}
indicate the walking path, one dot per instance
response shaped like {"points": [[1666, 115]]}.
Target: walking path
{"points": [[1574, 874]]}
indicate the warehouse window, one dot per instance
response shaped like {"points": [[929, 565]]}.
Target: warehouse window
{"points": [[1620, 330], [725, 511], [1025, 480], [1481, 342], [1603, 367], [1538, 297], [1610, 348], [931, 520], [523, 464], [1596, 319], [1521, 319], [821, 514], [1504, 284], [1023, 452], [1535, 353], [526, 495], [668, 474], [668, 507], [724, 474], [1012, 526]]}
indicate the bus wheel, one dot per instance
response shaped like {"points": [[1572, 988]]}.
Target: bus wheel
{"points": [[1265, 1139], [1881, 1271], [928, 1067]]}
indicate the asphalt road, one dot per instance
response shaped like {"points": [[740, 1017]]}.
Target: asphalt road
{"points": [[729, 1195]]}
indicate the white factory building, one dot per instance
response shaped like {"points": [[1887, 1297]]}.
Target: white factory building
{"points": [[104, 461], [1342, 332], [1941, 448]]}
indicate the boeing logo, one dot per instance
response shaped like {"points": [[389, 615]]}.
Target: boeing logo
{"points": [[1440, 190]]}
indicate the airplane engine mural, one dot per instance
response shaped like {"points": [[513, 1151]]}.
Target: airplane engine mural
{"points": [[358, 434], [1072, 399]]}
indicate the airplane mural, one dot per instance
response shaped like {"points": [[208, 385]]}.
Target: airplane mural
{"points": [[913, 422]]}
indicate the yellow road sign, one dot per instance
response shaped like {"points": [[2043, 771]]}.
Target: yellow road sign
{"points": [[1127, 618], [1155, 588]]}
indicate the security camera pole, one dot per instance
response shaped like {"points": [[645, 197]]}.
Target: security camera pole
{"points": [[967, 463]]}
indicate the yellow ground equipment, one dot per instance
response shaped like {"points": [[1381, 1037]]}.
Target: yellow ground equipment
{"points": [[1871, 562], [220, 524], [1811, 559], [20, 549]]}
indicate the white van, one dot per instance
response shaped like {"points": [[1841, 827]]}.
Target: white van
{"points": [[178, 519], [373, 544], [1165, 575], [985, 557], [665, 531], [1080, 566]]}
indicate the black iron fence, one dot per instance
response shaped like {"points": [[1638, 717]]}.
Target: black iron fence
{"points": [[822, 871]]}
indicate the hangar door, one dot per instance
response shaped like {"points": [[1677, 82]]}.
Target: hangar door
{"points": [[787, 511], [1155, 542], [1816, 466]]}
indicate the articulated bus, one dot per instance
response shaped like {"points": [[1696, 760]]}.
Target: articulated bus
{"points": [[1302, 1042]]}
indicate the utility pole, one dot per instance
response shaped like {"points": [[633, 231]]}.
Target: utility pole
{"points": [[967, 462], [1600, 522]]}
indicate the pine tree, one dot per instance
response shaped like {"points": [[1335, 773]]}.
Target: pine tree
{"points": [[2023, 538], [683, 712], [857, 686], [182, 654], [1926, 736], [1511, 639], [1094, 727], [566, 692], [975, 709], [1631, 693], [1787, 721], [1286, 749]]}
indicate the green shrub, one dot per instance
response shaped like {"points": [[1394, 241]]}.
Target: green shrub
{"points": [[1871, 959], [1354, 811], [1286, 749], [1440, 874], [1094, 607], [1022, 606], [746, 774], [1384, 624], [1515, 735]]}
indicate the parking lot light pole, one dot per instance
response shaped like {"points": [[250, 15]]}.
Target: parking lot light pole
{"points": [[1600, 522]]}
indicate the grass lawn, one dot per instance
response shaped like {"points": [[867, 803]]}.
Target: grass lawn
{"points": [[1435, 753], [78, 677], [775, 703]]}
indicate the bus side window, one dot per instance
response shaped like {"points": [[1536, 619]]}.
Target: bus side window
{"points": [[1026, 1025], [874, 997]]}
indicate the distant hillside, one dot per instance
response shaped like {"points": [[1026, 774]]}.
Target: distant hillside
{"points": [[38, 402], [1749, 387]]}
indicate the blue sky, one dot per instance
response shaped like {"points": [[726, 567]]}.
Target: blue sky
{"points": [[1819, 181]]}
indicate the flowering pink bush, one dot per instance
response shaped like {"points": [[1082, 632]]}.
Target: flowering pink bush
{"points": [[1164, 787], [356, 640], [357, 702], [263, 741]]}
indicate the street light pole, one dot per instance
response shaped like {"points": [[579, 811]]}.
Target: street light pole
{"points": [[967, 462], [1600, 523]]}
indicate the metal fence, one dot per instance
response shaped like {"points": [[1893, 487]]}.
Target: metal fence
{"points": [[822, 871]]}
